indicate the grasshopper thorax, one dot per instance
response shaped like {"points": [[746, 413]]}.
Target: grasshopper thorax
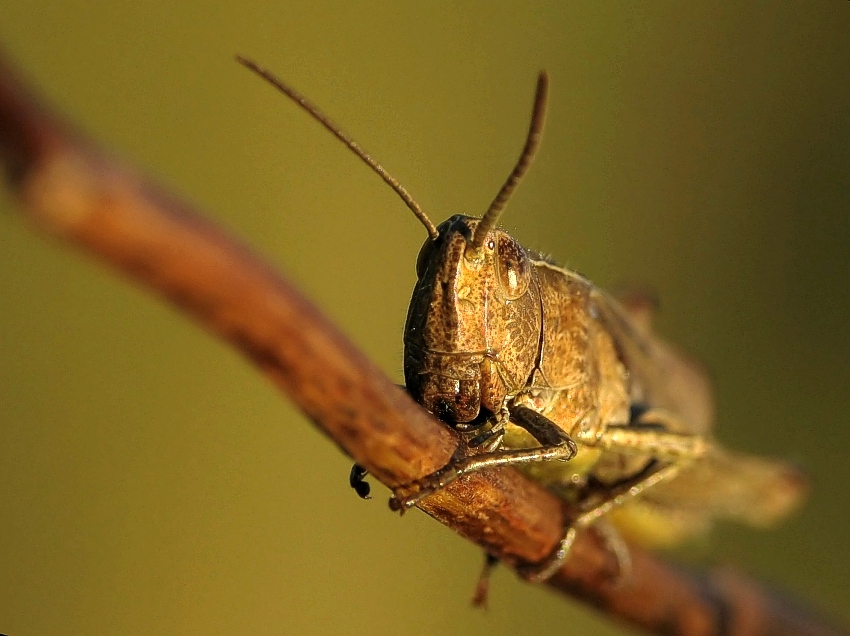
{"points": [[472, 332]]}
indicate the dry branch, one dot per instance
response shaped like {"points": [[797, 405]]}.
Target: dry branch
{"points": [[70, 189]]}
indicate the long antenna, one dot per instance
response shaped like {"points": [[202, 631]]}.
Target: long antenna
{"points": [[532, 141], [356, 148]]}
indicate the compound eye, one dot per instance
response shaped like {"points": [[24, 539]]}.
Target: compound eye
{"points": [[512, 266], [425, 254]]}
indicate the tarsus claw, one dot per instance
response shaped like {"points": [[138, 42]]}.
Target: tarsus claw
{"points": [[356, 480]]}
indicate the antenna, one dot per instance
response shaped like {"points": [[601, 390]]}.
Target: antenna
{"points": [[358, 150], [532, 141]]}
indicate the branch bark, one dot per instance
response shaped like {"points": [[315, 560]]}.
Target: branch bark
{"points": [[70, 189]]}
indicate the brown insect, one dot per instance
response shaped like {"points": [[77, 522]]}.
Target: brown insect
{"points": [[539, 369]]}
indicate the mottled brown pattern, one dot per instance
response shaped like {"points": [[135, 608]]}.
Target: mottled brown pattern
{"points": [[494, 328], [461, 321], [521, 328]]}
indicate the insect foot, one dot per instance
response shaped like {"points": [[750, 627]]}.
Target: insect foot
{"points": [[540, 572], [357, 480], [614, 543], [407, 496], [617, 546]]}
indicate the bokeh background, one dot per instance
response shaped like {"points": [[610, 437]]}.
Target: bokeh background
{"points": [[152, 482]]}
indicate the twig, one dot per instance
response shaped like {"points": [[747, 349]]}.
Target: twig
{"points": [[70, 189]]}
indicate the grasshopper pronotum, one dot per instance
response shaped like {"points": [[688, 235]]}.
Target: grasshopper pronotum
{"points": [[540, 369]]}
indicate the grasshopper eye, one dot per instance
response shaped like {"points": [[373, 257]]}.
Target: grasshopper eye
{"points": [[425, 254], [512, 267]]}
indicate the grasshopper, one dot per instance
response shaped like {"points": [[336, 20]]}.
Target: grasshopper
{"points": [[539, 369]]}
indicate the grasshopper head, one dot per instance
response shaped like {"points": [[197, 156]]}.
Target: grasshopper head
{"points": [[472, 331], [473, 328]]}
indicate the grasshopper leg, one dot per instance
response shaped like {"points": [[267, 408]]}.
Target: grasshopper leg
{"points": [[555, 444], [357, 480], [649, 434], [619, 548], [622, 493], [482, 588], [489, 440], [357, 476]]}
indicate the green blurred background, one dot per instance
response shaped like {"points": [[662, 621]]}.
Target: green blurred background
{"points": [[152, 482]]}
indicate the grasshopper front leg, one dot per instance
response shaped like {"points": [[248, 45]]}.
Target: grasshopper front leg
{"points": [[554, 444], [357, 480]]}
